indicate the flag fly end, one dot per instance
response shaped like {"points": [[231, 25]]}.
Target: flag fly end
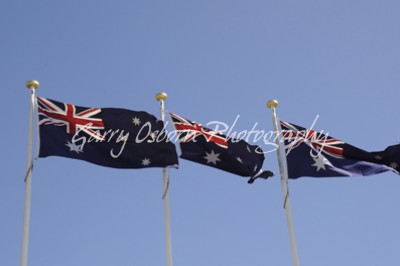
{"points": [[263, 175]]}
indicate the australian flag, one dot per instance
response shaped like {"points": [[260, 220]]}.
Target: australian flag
{"points": [[208, 147], [309, 153], [110, 137]]}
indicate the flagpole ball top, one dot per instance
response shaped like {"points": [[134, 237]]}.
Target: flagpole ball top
{"points": [[272, 104], [161, 96], [32, 84]]}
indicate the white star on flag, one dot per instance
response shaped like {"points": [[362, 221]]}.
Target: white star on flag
{"points": [[394, 165], [320, 162], [73, 147], [136, 121], [212, 157], [146, 162]]}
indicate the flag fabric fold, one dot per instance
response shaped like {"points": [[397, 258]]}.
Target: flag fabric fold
{"points": [[309, 153], [110, 137], [211, 148], [389, 157]]}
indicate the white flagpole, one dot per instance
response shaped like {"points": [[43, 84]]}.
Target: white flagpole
{"points": [[284, 182], [161, 97], [32, 85]]}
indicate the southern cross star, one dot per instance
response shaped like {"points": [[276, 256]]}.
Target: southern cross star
{"points": [[146, 162], [394, 165], [73, 147], [136, 121]]}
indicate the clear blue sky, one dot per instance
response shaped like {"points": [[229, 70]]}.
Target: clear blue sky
{"points": [[216, 60]]}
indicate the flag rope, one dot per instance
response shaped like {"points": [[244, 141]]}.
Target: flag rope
{"points": [[29, 171], [166, 190]]}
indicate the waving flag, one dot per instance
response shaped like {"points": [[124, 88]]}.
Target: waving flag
{"points": [[309, 153], [208, 147], [110, 137]]}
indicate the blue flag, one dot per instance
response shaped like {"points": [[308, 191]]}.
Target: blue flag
{"points": [[309, 153], [109, 137], [204, 146]]}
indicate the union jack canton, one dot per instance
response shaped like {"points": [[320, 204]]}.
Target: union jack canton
{"points": [[189, 130], [62, 114]]}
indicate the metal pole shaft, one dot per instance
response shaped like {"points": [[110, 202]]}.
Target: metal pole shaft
{"points": [[32, 85], [161, 97], [282, 169], [168, 241]]}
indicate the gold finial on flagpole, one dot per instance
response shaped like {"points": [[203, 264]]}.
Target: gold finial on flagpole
{"points": [[161, 96], [32, 84], [272, 103]]}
